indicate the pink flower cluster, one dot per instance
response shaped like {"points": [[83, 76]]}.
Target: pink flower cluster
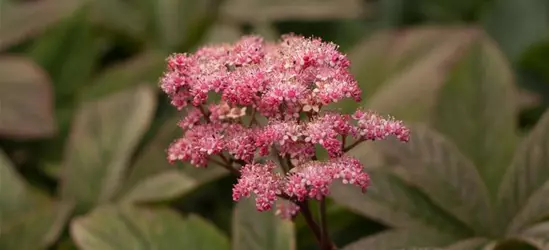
{"points": [[271, 99]]}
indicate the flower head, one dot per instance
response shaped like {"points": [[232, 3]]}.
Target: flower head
{"points": [[251, 100]]}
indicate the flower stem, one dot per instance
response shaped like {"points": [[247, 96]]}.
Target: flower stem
{"points": [[306, 212], [326, 243], [346, 149]]}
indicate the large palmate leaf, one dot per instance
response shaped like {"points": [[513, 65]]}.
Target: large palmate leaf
{"points": [[252, 11], [517, 24], [152, 177], [260, 230], [130, 228], [101, 143], [395, 203], [26, 99], [476, 109], [400, 239], [25, 19], [416, 74], [528, 172], [28, 218], [437, 167]]}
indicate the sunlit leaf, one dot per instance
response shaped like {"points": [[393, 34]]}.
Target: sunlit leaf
{"points": [[28, 218], [437, 167], [400, 239], [391, 201], [528, 172], [26, 100], [260, 230], [476, 109], [280, 10], [101, 143], [25, 19], [128, 228]]}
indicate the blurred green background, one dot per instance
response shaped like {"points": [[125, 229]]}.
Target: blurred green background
{"points": [[83, 125]]}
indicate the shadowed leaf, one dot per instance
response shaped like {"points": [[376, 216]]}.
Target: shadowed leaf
{"points": [[400, 239], [395, 203], [280, 10], [260, 230], [538, 234], [437, 167], [102, 140], [128, 228], [28, 218], [26, 100], [528, 172], [476, 109]]}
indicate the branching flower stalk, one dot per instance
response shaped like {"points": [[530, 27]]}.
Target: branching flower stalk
{"points": [[269, 116]]}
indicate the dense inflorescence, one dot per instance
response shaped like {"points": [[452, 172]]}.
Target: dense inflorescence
{"points": [[270, 104]]}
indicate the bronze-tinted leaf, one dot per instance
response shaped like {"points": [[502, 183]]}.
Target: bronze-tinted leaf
{"points": [[26, 100], [22, 20], [476, 109], [260, 230], [535, 210], [529, 171], [101, 143], [438, 168]]}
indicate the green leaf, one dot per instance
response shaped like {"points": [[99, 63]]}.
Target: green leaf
{"points": [[76, 60], [29, 219], [23, 20], [143, 68], [112, 227], [395, 203], [437, 167], [152, 165], [101, 143], [535, 209], [163, 186], [251, 11], [400, 239], [468, 244], [260, 230], [528, 171], [476, 109], [26, 100], [387, 55], [517, 24], [408, 77]]}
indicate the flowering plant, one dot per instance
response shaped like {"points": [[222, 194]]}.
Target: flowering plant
{"points": [[269, 119]]}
